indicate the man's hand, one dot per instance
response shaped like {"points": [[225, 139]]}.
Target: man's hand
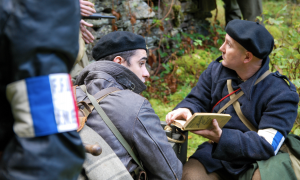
{"points": [[86, 8], [181, 113], [86, 34], [213, 134]]}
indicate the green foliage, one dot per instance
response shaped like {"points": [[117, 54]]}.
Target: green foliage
{"points": [[283, 22]]}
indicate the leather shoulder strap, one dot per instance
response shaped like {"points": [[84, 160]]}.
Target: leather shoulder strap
{"points": [[113, 128], [236, 105], [87, 107]]}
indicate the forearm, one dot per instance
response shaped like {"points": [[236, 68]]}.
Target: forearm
{"points": [[236, 146]]}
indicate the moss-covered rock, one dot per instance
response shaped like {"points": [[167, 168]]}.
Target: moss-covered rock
{"points": [[178, 15], [194, 62]]}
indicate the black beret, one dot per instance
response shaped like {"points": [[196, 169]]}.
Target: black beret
{"points": [[117, 41], [252, 36]]}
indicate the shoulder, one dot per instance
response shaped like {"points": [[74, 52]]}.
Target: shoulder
{"points": [[277, 87], [284, 81], [281, 82]]}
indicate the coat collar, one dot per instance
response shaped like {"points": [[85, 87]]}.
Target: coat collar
{"points": [[121, 74], [224, 73]]}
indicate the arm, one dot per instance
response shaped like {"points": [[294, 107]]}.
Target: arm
{"points": [[275, 123], [157, 155]]}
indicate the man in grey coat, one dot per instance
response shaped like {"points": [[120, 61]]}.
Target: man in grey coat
{"points": [[121, 58]]}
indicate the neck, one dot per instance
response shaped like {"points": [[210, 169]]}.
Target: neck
{"points": [[249, 69]]}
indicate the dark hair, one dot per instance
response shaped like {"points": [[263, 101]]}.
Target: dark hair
{"points": [[125, 54]]}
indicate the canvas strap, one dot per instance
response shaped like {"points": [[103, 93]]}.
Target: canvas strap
{"points": [[112, 127], [236, 105]]}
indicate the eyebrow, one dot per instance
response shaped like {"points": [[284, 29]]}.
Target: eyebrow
{"points": [[143, 58], [228, 41]]}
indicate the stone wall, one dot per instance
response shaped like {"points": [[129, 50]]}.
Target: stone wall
{"points": [[151, 18]]}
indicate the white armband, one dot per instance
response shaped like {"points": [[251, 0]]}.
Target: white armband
{"points": [[274, 137]]}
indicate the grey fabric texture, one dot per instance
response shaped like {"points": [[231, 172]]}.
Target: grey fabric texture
{"points": [[105, 166], [133, 116]]}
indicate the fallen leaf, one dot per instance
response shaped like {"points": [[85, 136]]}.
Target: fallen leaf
{"points": [[118, 15], [161, 28], [132, 20]]}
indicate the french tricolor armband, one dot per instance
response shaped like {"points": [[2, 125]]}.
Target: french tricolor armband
{"points": [[274, 137], [43, 105]]}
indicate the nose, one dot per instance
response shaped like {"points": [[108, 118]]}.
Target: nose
{"points": [[145, 73], [222, 48]]}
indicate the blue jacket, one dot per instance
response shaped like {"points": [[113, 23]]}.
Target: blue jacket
{"points": [[271, 104]]}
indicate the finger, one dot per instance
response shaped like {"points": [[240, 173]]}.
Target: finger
{"points": [[86, 12], [85, 38], [168, 117], [203, 133], [87, 3], [86, 23], [215, 124], [90, 35], [87, 9], [174, 115]]}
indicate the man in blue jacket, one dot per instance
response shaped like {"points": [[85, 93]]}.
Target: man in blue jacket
{"points": [[270, 106]]}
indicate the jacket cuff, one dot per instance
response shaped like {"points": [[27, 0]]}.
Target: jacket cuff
{"points": [[226, 145]]}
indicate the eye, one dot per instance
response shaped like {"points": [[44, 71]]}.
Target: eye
{"points": [[142, 63]]}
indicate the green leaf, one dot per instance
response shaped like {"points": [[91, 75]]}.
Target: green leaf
{"points": [[220, 31], [274, 21], [198, 42], [283, 9]]}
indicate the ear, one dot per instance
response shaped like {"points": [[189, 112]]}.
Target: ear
{"points": [[248, 57], [118, 59]]}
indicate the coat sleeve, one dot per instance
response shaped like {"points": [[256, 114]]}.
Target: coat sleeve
{"points": [[153, 148], [198, 100], [274, 125]]}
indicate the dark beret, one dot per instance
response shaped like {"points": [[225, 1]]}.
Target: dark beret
{"points": [[252, 36], [117, 41]]}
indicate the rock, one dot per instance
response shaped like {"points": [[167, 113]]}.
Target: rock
{"points": [[151, 40], [188, 7], [103, 31], [138, 8], [175, 31]]}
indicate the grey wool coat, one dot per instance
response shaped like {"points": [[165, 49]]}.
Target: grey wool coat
{"points": [[270, 106], [133, 116]]}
